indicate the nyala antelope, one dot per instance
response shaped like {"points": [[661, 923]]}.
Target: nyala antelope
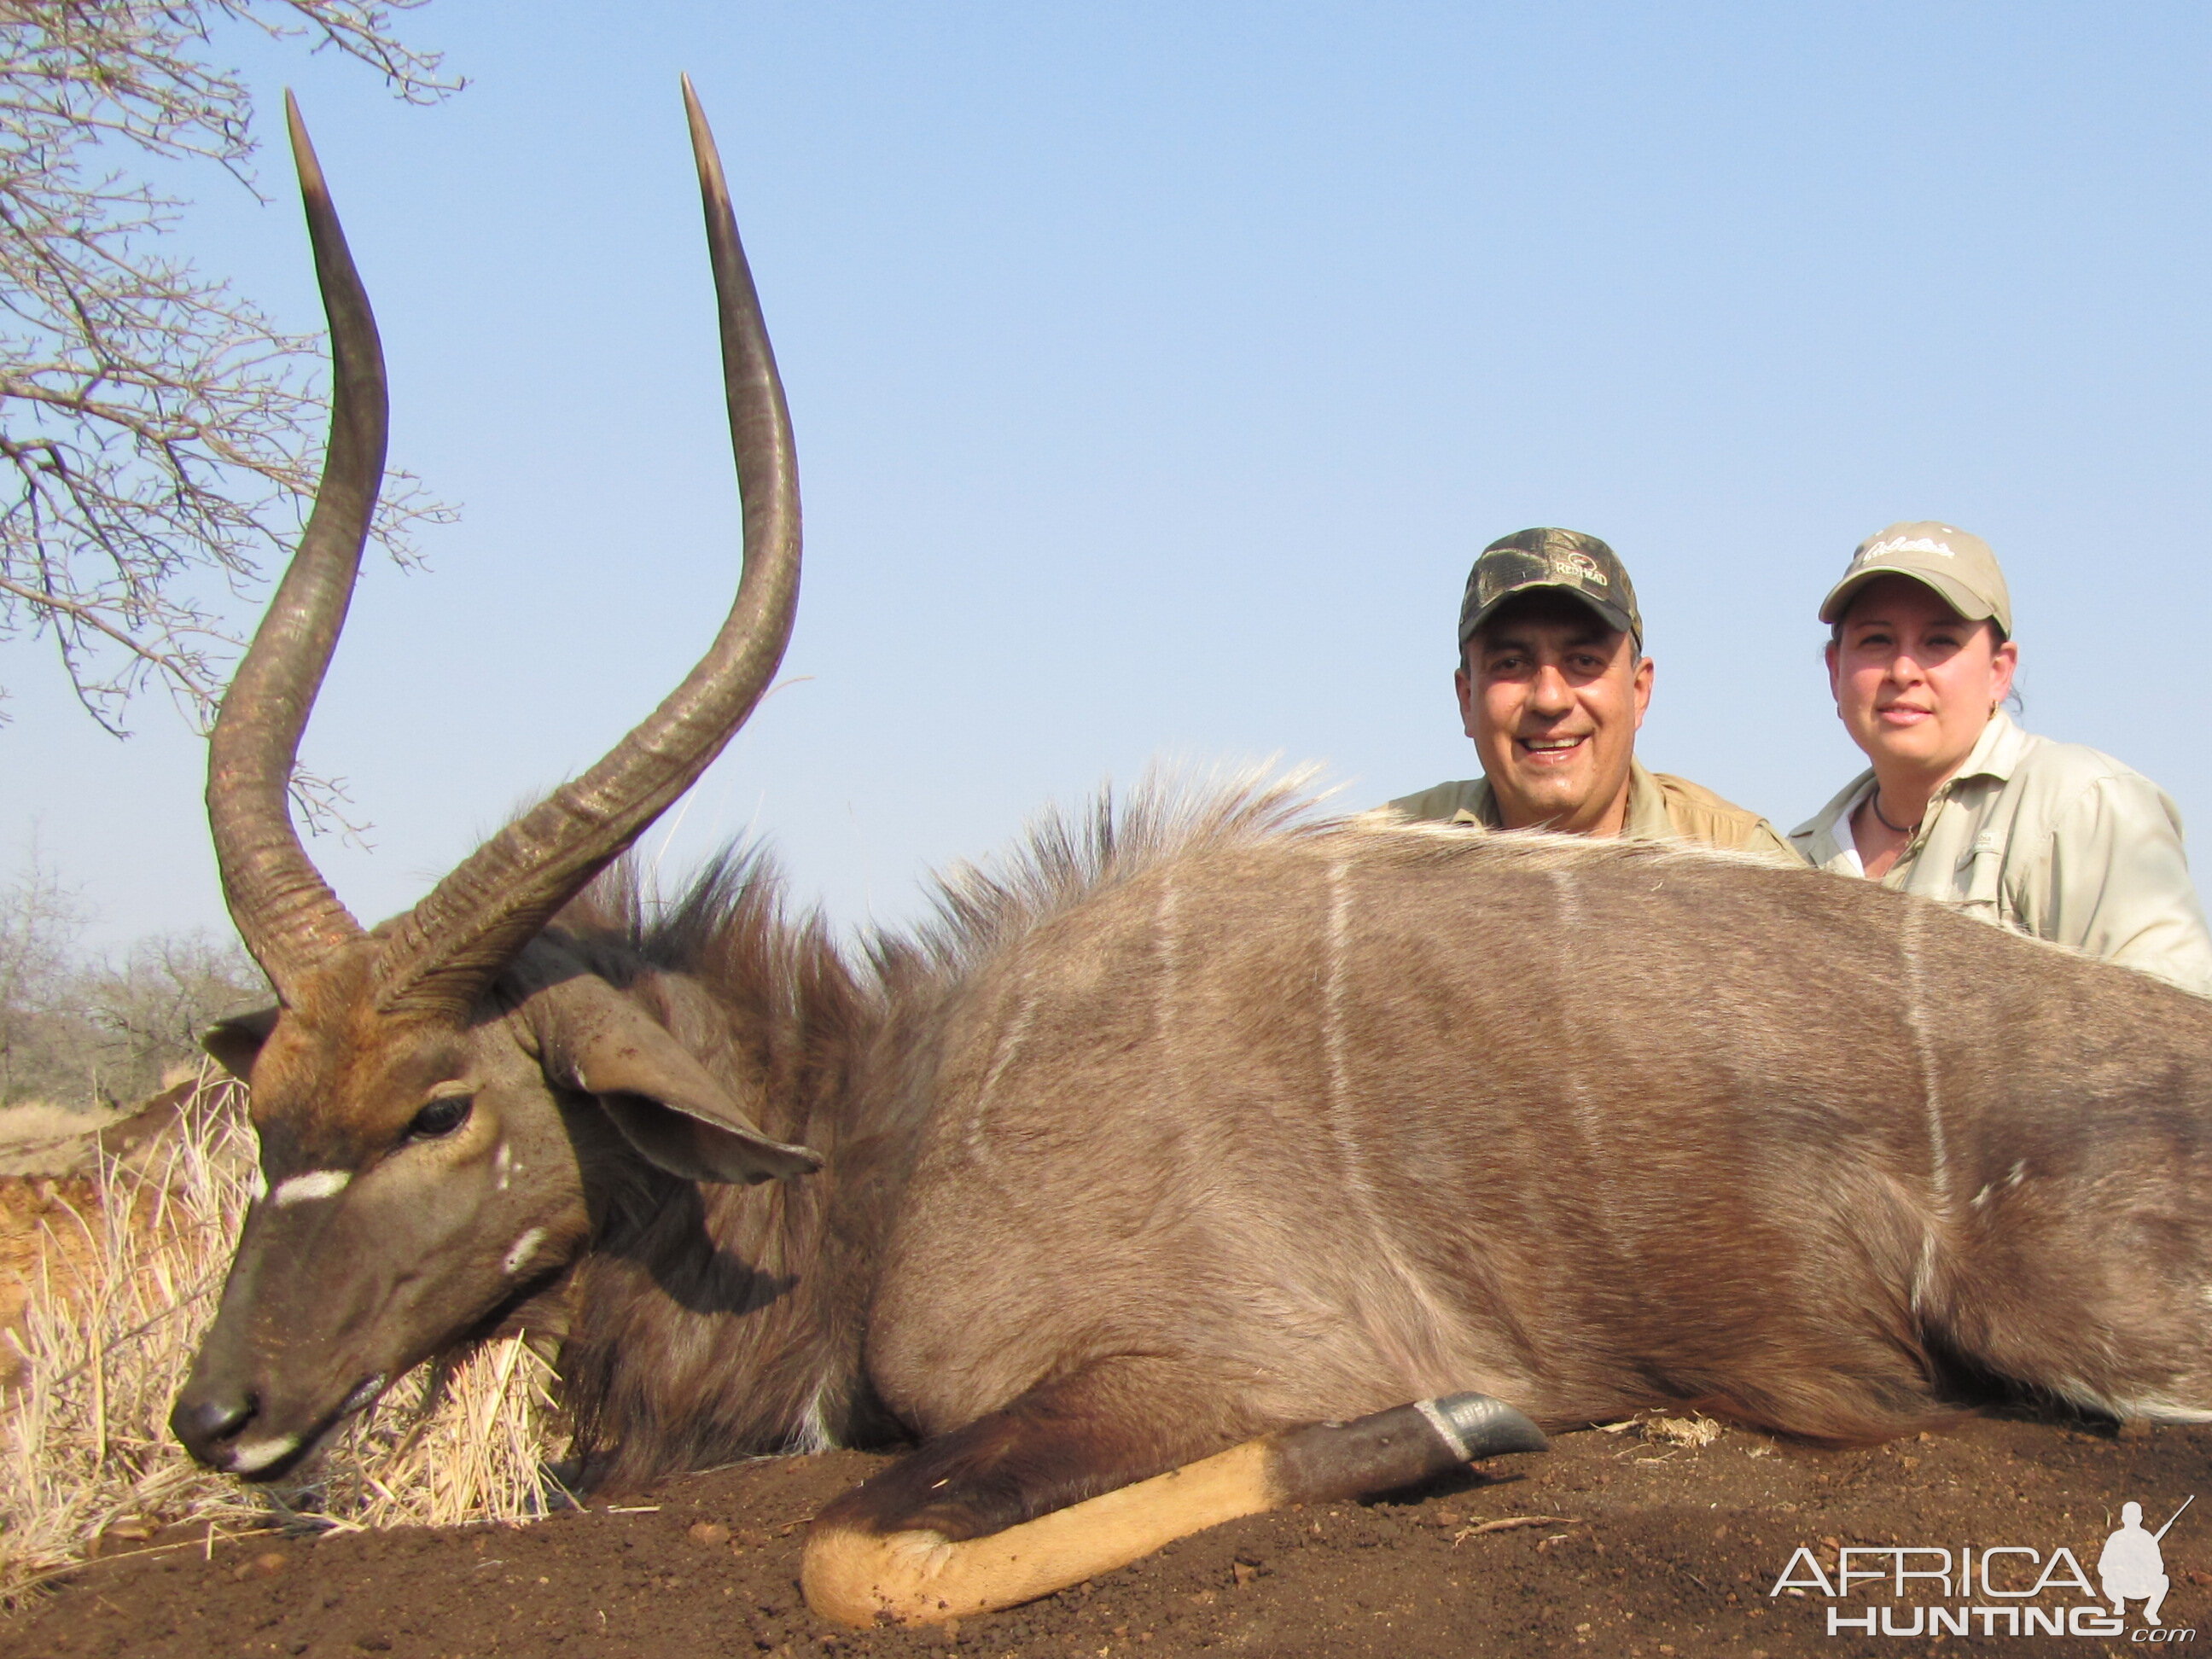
{"points": [[1203, 1158]]}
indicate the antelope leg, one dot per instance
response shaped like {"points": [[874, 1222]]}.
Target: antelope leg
{"points": [[866, 1562]]}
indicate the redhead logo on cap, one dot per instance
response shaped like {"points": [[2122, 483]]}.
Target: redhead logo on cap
{"points": [[1577, 567], [1571, 569]]}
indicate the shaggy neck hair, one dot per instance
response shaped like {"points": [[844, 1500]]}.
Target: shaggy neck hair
{"points": [[710, 1321]]}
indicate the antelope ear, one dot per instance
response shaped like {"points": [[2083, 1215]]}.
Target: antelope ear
{"points": [[664, 1103], [236, 1042]]}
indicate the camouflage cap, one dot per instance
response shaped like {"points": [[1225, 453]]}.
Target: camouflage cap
{"points": [[1576, 564], [1959, 567]]}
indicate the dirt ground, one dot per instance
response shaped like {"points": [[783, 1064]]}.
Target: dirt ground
{"points": [[1648, 1549]]}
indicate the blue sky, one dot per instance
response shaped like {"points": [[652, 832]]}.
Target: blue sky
{"points": [[1158, 369]]}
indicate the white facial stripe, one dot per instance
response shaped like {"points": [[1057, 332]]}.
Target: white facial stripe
{"points": [[252, 1454], [316, 1183], [523, 1249], [504, 1162]]}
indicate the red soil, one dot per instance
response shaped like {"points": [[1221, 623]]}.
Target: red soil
{"points": [[1666, 1552]]}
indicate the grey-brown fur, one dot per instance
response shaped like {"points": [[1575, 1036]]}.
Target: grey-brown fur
{"points": [[1320, 1122], [710, 1320]]}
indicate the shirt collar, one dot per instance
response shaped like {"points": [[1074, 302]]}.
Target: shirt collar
{"points": [[1645, 818], [1481, 808], [1996, 752], [1827, 836], [1820, 839]]}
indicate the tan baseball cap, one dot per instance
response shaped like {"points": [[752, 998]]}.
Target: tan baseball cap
{"points": [[1958, 566], [1581, 566]]}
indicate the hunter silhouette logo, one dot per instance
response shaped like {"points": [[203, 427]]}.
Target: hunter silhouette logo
{"points": [[2131, 1566], [1991, 1588]]}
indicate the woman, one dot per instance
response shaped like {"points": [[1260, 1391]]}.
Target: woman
{"points": [[2053, 839]]}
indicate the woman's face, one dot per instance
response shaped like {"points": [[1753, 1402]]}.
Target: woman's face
{"points": [[1915, 684]]}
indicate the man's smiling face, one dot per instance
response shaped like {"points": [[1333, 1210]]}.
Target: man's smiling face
{"points": [[1552, 698]]}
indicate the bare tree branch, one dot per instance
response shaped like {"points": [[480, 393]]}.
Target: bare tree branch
{"points": [[93, 619], [158, 435]]}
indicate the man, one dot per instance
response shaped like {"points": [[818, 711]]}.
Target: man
{"points": [[1553, 684]]}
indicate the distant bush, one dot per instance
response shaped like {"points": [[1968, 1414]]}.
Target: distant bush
{"points": [[83, 1031]]}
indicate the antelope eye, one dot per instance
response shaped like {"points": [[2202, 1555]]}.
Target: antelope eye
{"points": [[440, 1117]]}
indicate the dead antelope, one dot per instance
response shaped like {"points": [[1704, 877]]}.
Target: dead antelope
{"points": [[1149, 1186]]}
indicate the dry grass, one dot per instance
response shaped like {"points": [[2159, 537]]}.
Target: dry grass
{"points": [[127, 1282]]}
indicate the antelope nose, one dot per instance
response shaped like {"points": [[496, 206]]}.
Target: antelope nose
{"points": [[206, 1421]]}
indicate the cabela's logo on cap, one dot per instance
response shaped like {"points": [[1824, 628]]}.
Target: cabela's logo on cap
{"points": [[1903, 544]]}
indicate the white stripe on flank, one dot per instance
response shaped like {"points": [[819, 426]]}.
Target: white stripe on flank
{"points": [[814, 1434], [316, 1183], [1924, 1055], [1424, 1343], [1923, 1271], [1564, 895], [2152, 1407], [2157, 1408], [1590, 1123], [1445, 1432], [1167, 987], [251, 1455], [1010, 1042], [1332, 1011]]}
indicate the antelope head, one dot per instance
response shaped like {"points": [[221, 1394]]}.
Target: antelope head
{"points": [[421, 1089]]}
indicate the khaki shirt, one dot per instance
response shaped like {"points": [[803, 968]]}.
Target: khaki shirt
{"points": [[1661, 808], [2051, 839]]}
